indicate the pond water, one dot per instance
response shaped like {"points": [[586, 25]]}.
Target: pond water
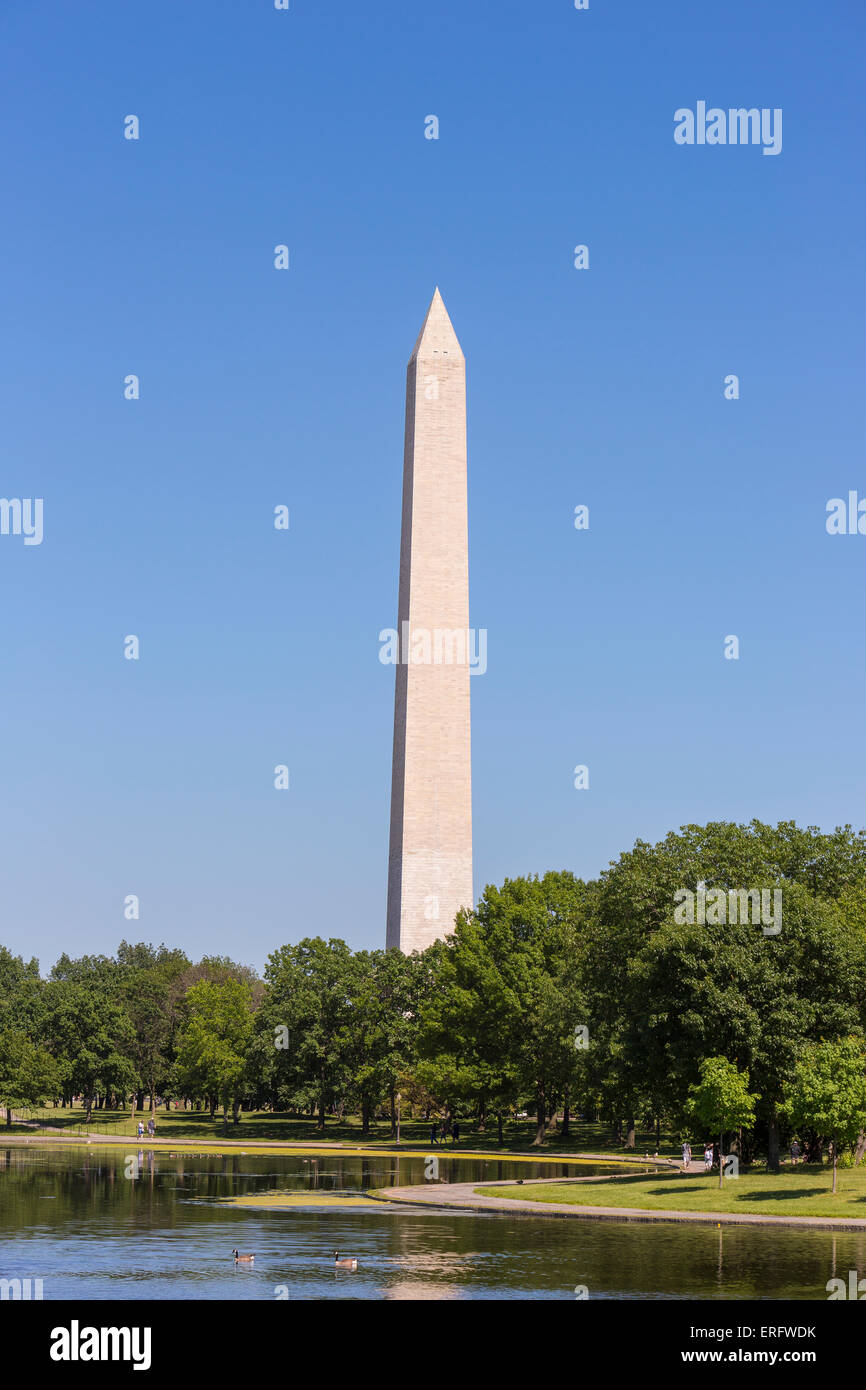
{"points": [[71, 1217]]}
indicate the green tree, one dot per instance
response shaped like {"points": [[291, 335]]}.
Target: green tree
{"points": [[28, 1073], [91, 1036], [504, 1016], [216, 1040], [721, 1100], [306, 1023], [701, 991], [664, 996], [99, 971], [387, 988], [148, 991], [828, 1092], [22, 994]]}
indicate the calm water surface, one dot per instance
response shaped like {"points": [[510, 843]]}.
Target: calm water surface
{"points": [[72, 1218]]}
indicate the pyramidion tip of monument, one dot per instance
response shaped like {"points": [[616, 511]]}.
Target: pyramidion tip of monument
{"points": [[437, 331]]}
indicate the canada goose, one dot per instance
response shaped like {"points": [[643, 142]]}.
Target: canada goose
{"points": [[343, 1264], [243, 1259]]}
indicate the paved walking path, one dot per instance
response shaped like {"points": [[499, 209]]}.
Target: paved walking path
{"points": [[464, 1196]]}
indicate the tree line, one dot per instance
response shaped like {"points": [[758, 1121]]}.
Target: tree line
{"points": [[555, 996]]}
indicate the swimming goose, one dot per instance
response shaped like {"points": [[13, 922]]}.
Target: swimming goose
{"points": [[245, 1259], [344, 1264]]}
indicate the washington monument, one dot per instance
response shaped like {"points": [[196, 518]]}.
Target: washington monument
{"points": [[430, 859]]}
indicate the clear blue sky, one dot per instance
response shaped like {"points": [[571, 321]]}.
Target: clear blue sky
{"points": [[259, 387]]}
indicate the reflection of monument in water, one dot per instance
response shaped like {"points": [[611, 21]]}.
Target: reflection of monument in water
{"points": [[402, 1292], [415, 1268], [430, 856], [422, 1273]]}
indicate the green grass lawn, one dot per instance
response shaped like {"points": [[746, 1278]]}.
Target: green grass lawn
{"points": [[802, 1191], [264, 1126]]}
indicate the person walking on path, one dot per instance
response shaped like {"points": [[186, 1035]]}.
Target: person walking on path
{"points": [[708, 1158], [795, 1151], [151, 1127], [455, 1132], [140, 1128], [687, 1155], [434, 1134]]}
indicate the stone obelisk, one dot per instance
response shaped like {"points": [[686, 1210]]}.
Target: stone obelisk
{"points": [[430, 860]]}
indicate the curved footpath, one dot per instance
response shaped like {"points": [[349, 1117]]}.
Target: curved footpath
{"points": [[463, 1195]]}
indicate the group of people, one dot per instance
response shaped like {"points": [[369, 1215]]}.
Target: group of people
{"points": [[434, 1132], [151, 1128], [709, 1156]]}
